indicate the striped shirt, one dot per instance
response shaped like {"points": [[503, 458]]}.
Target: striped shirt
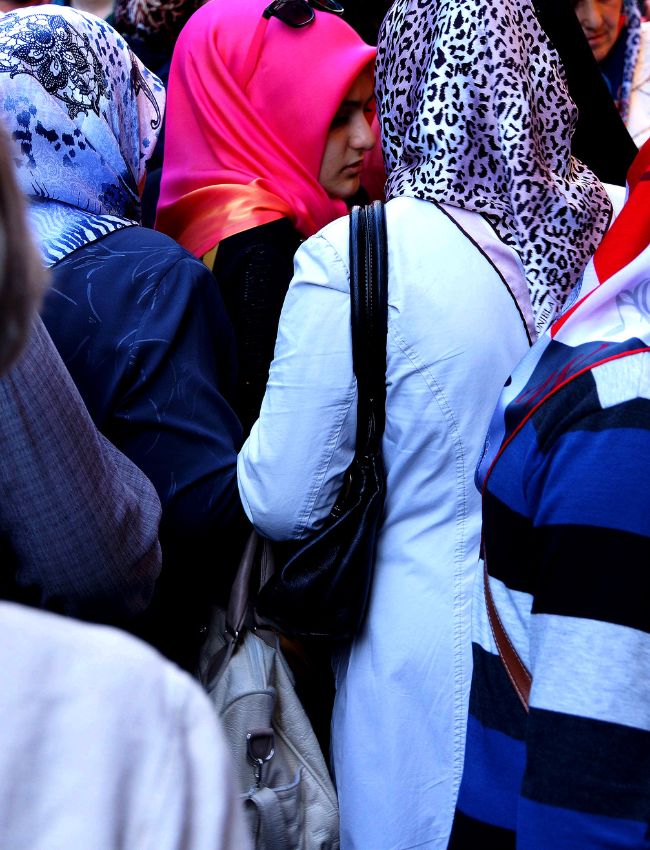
{"points": [[566, 514]]}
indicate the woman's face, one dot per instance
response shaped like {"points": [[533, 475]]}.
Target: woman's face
{"points": [[601, 23], [349, 138]]}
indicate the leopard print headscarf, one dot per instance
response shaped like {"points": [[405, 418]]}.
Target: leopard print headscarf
{"points": [[157, 20], [475, 113]]}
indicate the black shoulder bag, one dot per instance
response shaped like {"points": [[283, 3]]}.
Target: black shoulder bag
{"points": [[322, 588]]}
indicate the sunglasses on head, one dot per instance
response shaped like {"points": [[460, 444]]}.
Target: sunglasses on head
{"points": [[300, 13]]}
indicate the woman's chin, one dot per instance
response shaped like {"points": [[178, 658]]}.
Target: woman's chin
{"points": [[347, 188]]}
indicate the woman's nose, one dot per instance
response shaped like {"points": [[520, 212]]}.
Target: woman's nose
{"points": [[589, 14], [363, 137]]}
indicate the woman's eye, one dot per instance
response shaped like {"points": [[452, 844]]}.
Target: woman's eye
{"points": [[340, 120]]}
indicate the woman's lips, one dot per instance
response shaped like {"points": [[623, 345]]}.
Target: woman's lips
{"points": [[354, 168]]}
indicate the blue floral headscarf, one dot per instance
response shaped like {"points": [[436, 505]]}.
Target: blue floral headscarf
{"points": [[84, 115]]}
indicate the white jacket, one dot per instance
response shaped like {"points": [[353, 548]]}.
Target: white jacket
{"points": [[104, 745], [455, 332]]}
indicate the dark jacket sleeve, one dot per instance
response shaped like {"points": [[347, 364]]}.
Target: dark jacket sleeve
{"points": [[171, 417], [78, 520]]}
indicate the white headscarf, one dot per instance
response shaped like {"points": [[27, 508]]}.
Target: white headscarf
{"points": [[475, 113]]}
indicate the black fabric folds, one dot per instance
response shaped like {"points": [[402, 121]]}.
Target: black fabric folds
{"points": [[601, 140]]}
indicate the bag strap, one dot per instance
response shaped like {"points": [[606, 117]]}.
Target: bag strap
{"points": [[369, 318], [516, 670], [239, 594], [271, 820], [239, 616]]}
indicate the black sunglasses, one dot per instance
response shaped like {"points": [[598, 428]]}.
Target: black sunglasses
{"points": [[300, 13]]}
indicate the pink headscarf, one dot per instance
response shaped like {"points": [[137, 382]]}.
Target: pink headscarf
{"points": [[249, 106]]}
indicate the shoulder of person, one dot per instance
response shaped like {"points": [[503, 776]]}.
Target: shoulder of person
{"points": [[131, 253], [273, 237], [58, 650], [406, 218], [158, 251]]}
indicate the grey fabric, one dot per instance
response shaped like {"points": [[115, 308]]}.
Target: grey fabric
{"points": [[273, 827], [79, 519], [294, 806]]}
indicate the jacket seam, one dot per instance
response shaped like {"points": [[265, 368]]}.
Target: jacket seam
{"points": [[459, 554]]}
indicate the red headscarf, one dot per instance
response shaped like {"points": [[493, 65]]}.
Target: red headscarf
{"points": [[249, 106]]}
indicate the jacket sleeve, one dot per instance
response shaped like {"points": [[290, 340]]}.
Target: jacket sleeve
{"points": [[80, 521], [172, 417], [292, 465]]}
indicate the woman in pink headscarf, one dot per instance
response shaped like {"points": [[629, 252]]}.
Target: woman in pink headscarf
{"points": [[268, 126]]}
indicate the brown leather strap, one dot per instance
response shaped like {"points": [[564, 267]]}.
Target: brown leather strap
{"points": [[238, 603], [515, 668]]}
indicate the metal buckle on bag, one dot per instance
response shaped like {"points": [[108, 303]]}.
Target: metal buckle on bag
{"points": [[260, 749], [233, 634]]}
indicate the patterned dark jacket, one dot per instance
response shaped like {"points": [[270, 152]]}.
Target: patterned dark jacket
{"points": [[78, 521]]}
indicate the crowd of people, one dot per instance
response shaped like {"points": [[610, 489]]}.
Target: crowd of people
{"points": [[166, 388]]}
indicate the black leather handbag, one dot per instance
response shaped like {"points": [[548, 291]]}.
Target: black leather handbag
{"points": [[321, 589]]}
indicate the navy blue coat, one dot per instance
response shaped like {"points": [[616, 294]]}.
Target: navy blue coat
{"points": [[141, 326]]}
